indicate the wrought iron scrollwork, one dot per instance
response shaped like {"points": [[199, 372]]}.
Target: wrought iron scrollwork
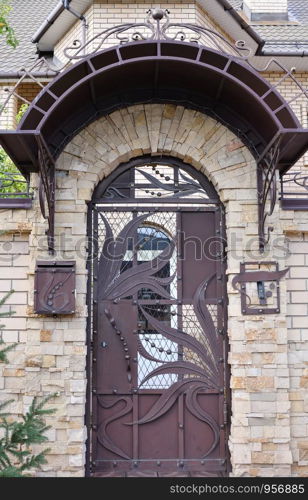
{"points": [[267, 191], [157, 26], [14, 185], [47, 190]]}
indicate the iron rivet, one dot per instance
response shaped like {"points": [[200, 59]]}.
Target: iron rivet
{"points": [[202, 462], [94, 391], [115, 464], [221, 360], [125, 349], [114, 391], [127, 356], [135, 391], [135, 360], [122, 339], [94, 427], [94, 360], [222, 426], [181, 426], [158, 463], [135, 464], [221, 391]]}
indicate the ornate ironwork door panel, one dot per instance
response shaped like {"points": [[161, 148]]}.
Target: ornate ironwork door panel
{"points": [[159, 395]]}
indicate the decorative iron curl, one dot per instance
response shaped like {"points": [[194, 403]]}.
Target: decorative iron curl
{"points": [[47, 189], [157, 26], [267, 191]]}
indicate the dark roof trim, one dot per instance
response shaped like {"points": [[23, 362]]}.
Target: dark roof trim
{"points": [[243, 24], [261, 50], [59, 8], [215, 83]]}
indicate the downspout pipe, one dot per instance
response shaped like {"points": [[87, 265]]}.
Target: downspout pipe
{"points": [[66, 6]]}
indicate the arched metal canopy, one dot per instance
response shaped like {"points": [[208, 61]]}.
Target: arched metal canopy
{"points": [[199, 77], [150, 71]]}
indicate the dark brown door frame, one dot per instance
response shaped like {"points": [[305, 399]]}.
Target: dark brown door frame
{"points": [[92, 250]]}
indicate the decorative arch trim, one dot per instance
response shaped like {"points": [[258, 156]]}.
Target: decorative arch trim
{"points": [[213, 82], [158, 71]]}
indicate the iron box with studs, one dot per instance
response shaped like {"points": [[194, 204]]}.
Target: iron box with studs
{"points": [[54, 285]]}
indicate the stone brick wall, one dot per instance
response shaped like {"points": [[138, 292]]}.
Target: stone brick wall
{"points": [[297, 310]]}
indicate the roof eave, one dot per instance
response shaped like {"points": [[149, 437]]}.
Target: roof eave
{"points": [[59, 8]]}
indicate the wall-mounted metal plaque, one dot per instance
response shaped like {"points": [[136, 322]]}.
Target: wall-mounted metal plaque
{"points": [[54, 287], [258, 284]]}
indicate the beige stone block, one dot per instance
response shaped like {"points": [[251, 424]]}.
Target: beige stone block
{"points": [[238, 382], [255, 384], [49, 361], [240, 358], [12, 372], [34, 361], [304, 382], [283, 457], [261, 334], [45, 335], [52, 349], [262, 457], [76, 460]]}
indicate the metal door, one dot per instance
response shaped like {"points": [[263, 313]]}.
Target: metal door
{"points": [[159, 379]]}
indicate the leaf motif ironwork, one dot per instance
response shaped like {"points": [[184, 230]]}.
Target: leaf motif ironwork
{"points": [[118, 284], [102, 434], [195, 409], [190, 187]]}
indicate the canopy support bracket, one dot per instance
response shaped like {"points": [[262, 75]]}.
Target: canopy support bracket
{"points": [[267, 190], [47, 190]]}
